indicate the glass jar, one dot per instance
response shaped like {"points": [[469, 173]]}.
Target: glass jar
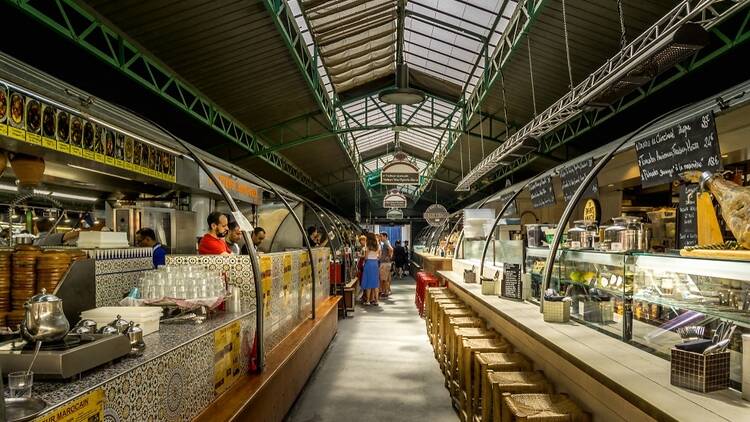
{"points": [[612, 235]]}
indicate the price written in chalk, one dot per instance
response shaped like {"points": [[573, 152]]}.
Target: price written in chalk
{"points": [[573, 175], [688, 145], [542, 192], [687, 230]]}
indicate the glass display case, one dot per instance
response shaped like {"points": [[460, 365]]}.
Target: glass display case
{"points": [[534, 262], [645, 299]]}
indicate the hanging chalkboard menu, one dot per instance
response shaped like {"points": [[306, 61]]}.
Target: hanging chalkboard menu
{"points": [[511, 286], [571, 177], [687, 230], [688, 145], [511, 210], [542, 193]]}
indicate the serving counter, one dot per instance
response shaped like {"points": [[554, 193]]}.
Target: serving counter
{"points": [[432, 263], [614, 381], [186, 367]]}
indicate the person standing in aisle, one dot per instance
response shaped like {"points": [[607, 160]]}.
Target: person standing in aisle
{"points": [[408, 256], [386, 256], [212, 243], [399, 257], [361, 256], [146, 238], [370, 277]]}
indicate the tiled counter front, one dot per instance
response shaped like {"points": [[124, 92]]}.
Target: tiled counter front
{"points": [[117, 271], [286, 307], [172, 381]]}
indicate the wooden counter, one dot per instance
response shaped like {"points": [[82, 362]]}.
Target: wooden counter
{"points": [[269, 396], [611, 379], [433, 263]]}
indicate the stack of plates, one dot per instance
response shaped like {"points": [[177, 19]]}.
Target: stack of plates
{"points": [[6, 263], [51, 266], [23, 282]]}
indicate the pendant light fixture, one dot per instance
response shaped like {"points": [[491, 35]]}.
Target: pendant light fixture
{"points": [[401, 94]]}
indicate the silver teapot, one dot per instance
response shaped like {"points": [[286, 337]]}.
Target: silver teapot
{"points": [[44, 319]]}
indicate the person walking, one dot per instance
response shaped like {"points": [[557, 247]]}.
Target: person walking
{"points": [[361, 256], [370, 277], [386, 258], [399, 258]]}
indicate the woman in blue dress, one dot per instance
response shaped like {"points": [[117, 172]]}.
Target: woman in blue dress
{"points": [[371, 273]]}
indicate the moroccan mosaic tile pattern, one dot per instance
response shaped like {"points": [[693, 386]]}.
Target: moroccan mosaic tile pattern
{"points": [[111, 288], [238, 269], [172, 381], [115, 277]]}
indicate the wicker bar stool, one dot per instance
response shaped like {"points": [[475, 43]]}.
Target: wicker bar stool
{"points": [[497, 362], [435, 292], [540, 408], [499, 383], [444, 316], [440, 331], [432, 318], [462, 390], [455, 335]]}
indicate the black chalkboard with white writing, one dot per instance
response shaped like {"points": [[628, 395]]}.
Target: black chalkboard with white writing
{"points": [[542, 193], [687, 211], [571, 177], [688, 145], [511, 211], [511, 286]]}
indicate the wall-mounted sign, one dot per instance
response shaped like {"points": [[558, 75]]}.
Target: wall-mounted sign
{"points": [[237, 188], [689, 145], [400, 171], [592, 210], [394, 214], [435, 215], [571, 177], [687, 209], [542, 193], [394, 199], [32, 120]]}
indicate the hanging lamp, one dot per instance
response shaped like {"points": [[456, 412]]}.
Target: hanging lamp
{"points": [[401, 94]]}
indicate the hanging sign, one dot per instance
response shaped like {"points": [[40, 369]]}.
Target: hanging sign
{"points": [[689, 145], [31, 120], [572, 176], [436, 215], [236, 187], [400, 171], [394, 199], [394, 214], [542, 193], [511, 210], [687, 230]]}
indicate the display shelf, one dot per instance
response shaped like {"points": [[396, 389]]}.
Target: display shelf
{"points": [[615, 293], [736, 270], [738, 316], [532, 252], [612, 259]]}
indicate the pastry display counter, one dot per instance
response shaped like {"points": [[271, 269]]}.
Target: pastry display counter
{"points": [[432, 263]]}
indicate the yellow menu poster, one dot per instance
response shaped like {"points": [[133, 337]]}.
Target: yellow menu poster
{"points": [[266, 278], [226, 356], [89, 407], [3, 129], [287, 277]]}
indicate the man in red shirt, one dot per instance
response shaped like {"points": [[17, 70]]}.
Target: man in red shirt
{"points": [[213, 242]]}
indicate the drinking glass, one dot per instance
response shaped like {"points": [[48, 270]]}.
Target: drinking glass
{"points": [[20, 384]]}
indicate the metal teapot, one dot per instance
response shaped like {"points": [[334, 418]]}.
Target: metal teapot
{"points": [[44, 319]]}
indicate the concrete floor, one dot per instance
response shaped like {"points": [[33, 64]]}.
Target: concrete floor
{"points": [[380, 367]]}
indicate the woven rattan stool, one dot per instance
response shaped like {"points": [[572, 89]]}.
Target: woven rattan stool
{"points": [[455, 335], [442, 328], [499, 383], [462, 390], [445, 316], [434, 320], [540, 408], [498, 362]]}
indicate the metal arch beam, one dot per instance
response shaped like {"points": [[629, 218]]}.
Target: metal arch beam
{"points": [[523, 17], [287, 27], [724, 39], [110, 45]]}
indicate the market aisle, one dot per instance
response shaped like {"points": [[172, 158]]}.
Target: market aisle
{"points": [[380, 367]]}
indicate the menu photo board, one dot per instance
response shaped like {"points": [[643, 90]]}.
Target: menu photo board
{"points": [[511, 286], [542, 192], [687, 213], [689, 145], [33, 120], [573, 175]]}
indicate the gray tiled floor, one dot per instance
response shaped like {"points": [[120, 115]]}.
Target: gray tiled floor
{"points": [[379, 367]]}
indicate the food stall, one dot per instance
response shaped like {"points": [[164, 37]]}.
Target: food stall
{"points": [[94, 170], [632, 244]]}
